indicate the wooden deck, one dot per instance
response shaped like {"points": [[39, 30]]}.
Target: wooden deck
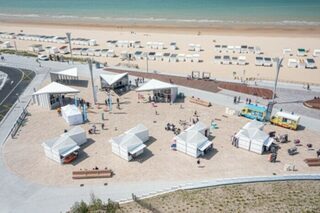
{"points": [[206, 85]]}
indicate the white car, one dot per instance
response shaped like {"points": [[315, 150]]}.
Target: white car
{"points": [[43, 57]]}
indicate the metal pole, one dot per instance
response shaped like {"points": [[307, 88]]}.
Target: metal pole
{"points": [[69, 41], [15, 46], [147, 62], [278, 66], [92, 83]]}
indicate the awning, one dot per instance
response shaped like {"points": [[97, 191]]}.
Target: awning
{"points": [[205, 146], [70, 151], [137, 149], [268, 142]]}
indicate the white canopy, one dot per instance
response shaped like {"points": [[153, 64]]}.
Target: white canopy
{"points": [[140, 131], [112, 78], [154, 84], [199, 127], [254, 124], [73, 72], [56, 88], [77, 134], [71, 114], [193, 137]]}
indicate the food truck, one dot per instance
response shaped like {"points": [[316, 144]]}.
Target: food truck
{"points": [[286, 120], [254, 111]]}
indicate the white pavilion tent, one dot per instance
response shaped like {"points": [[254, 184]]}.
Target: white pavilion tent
{"points": [[77, 134], [65, 75], [254, 140], [164, 90], [50, 96], [254, 124], [58, 148], [199, 127], [192, 143], [130, 144], [114, 80], [71, 114]]}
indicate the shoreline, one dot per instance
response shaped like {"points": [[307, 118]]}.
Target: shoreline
{"points": [[178, 28]]}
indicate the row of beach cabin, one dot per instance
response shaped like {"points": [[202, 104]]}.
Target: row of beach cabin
{"points": [[244, 49]]}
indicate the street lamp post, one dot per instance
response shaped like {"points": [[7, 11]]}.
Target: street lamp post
{"points": [[278, 62], [69, 41], [147, 61], [92, 83]]}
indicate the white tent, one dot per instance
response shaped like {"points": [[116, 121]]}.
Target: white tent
{"points": [[69, 74], [199, 127], [254, 124], [77, 134], [50, 96], [71, 114], [58, 148], [253, 139], [130, 144], [114, 80], [167, 91], [140, 131], [192, 143]]}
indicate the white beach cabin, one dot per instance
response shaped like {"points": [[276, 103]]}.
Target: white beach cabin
{"points": [[165, 91], [50, 96], [130, 144], [114, 81], [77, 134], [71, 114], [293, 63], [254, 140], [193, 141], [316, 53]]}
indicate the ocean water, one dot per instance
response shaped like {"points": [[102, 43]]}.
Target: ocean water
{"points": [[278, 12]]}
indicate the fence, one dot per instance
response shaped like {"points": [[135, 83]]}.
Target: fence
{"points": [[19, 122]]}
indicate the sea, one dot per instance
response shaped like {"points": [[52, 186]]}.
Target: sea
{"points": [[192, 12]]}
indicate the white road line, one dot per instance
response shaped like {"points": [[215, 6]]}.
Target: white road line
{"points": [[13, 87]]}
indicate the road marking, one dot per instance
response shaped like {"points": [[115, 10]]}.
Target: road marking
{"points": [[13, 87]]}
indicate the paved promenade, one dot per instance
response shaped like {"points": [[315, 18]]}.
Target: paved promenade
{"points": [[18, 195]]}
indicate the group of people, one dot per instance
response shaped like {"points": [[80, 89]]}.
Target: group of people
{"points": [[237, 99], [139, 80]]}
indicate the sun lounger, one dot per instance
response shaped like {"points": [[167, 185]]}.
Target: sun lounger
{"points": [[312, 161], [92, 174], [200, 102]]}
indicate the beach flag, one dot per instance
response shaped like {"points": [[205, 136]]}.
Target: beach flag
{"points": [[84, 112], [110, 103]]}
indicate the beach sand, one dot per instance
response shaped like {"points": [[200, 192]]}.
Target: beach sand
{"points": [[25, 157], [271, 40]]}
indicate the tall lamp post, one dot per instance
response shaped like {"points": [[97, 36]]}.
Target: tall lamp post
{"points": [[92, 83], [278, 62], [147, 61], [69, 41]]}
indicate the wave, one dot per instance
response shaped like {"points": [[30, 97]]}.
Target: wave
{"points": [[165, 20]]}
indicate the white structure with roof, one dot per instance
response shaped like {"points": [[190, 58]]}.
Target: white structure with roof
{"points": [[193, 141], [254, 124], [68, 74], [58, 148], [77, 134], [50, 96], [71, 114], [114, 80], [165, 90], [130, 144], [253, 139]]}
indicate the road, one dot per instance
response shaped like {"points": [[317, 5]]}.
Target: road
{"points": [[18, 80]]}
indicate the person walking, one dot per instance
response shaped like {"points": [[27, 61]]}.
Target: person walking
{"points": [[234, 99], [239, 99]]}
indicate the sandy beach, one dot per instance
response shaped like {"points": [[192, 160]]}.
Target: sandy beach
{"points": [[271, 40]]}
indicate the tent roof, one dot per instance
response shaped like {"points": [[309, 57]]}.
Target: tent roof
{"points": [[71, 109], [254, 124], [56, 88], [61, 144], [154, 84], [127, 141], [112, 78], [197, 127], [193, 137], [69, 72], [137, 129], [253, 134]]}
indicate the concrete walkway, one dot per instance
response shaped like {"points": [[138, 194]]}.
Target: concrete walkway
{"points": [[19, 195]]}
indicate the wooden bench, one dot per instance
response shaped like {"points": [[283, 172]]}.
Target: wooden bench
{"points": [[92, 174], [312, 161], [200, 102]]}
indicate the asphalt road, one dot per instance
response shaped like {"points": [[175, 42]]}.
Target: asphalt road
{"points": [[18, 80]]}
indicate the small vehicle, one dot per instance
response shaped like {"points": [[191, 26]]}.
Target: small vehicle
{"points": [[286, 120], [254, 112], [43, 57]]}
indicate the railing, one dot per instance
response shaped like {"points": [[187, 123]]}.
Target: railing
{"points": [[19, 122]]}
